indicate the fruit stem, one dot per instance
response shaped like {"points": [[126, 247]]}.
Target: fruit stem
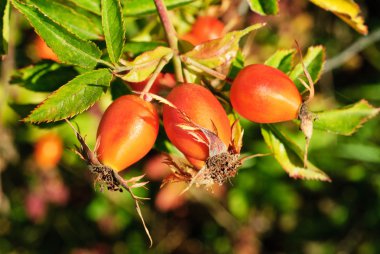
{"points": [[160, 66], [171, 37], [202, 67], [305, 116]]}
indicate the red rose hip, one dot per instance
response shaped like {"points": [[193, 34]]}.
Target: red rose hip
{"points": [[127, 131], [264, 94], [202, 107]]}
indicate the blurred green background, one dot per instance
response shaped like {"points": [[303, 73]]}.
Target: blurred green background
{"points": [[261, 211]]}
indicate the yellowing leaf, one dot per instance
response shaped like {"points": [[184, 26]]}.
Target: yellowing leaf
{"points": [[347, 10], [289, 155], [221, 51], [145, 64]]}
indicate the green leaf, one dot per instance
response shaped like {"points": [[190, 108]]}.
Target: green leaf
{"points": [[145, 64], [136, 48], [90, 5], [264, 7], [314, 61], [289, 155], [144, 7], [347, 10], [347, 120], [45, 76], [69, 48], [221, 51], [282, 60], [4, 26], [84, 24], [73, 98], [112, 22]]}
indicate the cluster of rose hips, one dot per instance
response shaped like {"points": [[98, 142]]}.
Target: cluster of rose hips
{"points": [[129, 127], [194, 120]]}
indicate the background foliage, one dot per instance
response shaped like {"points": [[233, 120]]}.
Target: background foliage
{"points": [[261, 210]]}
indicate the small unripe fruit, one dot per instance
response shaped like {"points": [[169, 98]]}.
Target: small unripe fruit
{"points": [[127, 132], [202, 107], [264, 94]]}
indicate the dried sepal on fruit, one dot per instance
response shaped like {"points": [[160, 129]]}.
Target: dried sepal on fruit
{"points": [[222, 162], [305, 116], [107, 177]]}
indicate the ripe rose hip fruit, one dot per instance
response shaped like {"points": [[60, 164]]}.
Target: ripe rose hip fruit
{"points": [[48, 151], [201, 106], [127, 131], [264, 94], [204, 29]]}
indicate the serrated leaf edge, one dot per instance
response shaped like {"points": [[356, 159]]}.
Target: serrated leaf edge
{"points": [[52, 94], [87, 41]]}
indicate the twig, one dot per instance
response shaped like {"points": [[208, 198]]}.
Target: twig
{"points": [[356, 47], [171, 37]]}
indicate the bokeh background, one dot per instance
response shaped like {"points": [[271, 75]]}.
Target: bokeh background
{"points": [[57, 209]]}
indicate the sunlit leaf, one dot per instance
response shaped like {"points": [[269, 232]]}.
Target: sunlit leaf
{"points": [[347, 120], [112, 21], [145, 64], [68, 47], [264, 7], [90, 5], [314, 61], [220, 51], [282, 60], [347, 10], [84, 24], [4, 26], [290, 156], [46, 76], [144, 7], [73, 98]]}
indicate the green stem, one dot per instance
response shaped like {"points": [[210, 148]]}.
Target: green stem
{"points": [[171, 37]]}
